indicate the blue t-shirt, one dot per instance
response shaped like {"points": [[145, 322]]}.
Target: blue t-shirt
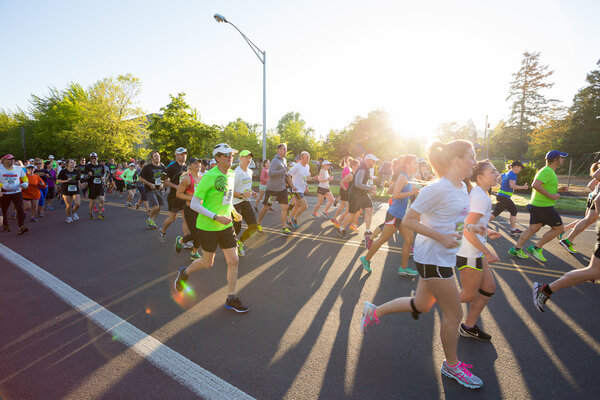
{"points": [[398, 206], [505, 189]]}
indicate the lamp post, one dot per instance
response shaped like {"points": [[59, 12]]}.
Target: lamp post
{"points": [[262, 56]]}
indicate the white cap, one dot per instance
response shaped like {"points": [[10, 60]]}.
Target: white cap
{"points": [[180, 150], [51, 157], [371, 157], [212, 161], [132, 163], [326, 162], [223, 148], [93, 155]]}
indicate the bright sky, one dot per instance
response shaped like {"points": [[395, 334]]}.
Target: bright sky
{"points": [[425, 62]]}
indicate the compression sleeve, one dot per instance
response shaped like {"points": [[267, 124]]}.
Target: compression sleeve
{"points": [[196, 205]]}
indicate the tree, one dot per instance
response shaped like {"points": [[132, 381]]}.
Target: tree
{"points": [[506, 141], [584, 127], [293, 131], [550, 134], [242, 136], [450, 131], [179, 125]]}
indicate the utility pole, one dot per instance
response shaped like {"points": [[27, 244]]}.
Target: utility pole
{"points": [[485, 141]]}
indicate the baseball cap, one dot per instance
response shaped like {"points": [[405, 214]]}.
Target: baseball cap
{"points": [[132, 163], [8, 157], [212, 161], [421, 160], [245, 153], [223, 148], [516, 163], [371, 157], [180, 150], [193, 160], [555, 154], [326, 162], [30, 166], [50, 157], [91, 155]]}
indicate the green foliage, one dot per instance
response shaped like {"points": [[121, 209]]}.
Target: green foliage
{"points": [[179, 125], [293, 131], [450, 131], [527, 174], [507, 141], [242, 136]]}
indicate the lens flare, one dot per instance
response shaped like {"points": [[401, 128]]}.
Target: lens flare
{"points": [[185, 298]]}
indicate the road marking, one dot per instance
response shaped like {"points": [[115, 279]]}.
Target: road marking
{"points": [[198, 380]]}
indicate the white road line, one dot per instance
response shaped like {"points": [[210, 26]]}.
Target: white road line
{"points": [[191, 375]]}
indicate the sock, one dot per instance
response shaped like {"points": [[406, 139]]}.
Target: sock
{"points": [[453, 366], [230, 297], [517, 248], [535, 247], [368, 233], [546, 289], [467, 327]]}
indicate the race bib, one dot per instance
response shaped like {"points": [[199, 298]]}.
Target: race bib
{"points": [[82, 176], [157, 181], [71, 188], [228, 197], [11, 181], [97, 181]]}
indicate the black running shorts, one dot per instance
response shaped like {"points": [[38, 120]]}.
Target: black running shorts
{"points": [[279, 196], [504, 203], [210, 239], [343, 194], [359, 200], [544, 215], [95, 190], [175, 204], [430, 271], [474, 263], [322, 191]]}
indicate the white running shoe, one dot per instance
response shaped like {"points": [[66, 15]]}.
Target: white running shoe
{"points": [[75, 217], [69, 220]]}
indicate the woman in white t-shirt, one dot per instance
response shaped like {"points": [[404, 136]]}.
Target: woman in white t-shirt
{"points": [[473, 257], [323, 191], [437, 216]]}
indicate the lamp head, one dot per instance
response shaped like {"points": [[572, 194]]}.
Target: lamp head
{"points": [[220, 18]]}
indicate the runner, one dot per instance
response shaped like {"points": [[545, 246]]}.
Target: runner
{"points": [[51, 182], [119, 182], [276, 189], [300, 174], [385, 173], [32, 194], [473, 257], [213, 201], [264, 178], [96, 179], [323, 190], [591, 212], [129, 177], [152, 178], [12, 180], [174, 203], [359, 197], [438, 215], [503, 198], [542, 292], [69, 179], [110, 181], [141, 188], [44, 174], [350, 166], [242, 193], [541, 208], [185, 192], [402, 190], [82, 177]]}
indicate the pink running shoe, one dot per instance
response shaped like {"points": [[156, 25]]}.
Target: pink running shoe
{"points": [[460, 372], [369, 318]]}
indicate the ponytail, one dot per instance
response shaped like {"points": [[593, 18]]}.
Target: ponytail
{"points": [[440, 155]]}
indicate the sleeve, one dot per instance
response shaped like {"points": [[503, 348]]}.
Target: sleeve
{"points": [[478, 202], [428, 198], [276, 168], [196, 205], [237, 181], [512, 176], [542, 176], [202, 187], [358, 179]]}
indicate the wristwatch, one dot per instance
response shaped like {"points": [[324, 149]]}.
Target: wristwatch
{"points": [[215, 217]]}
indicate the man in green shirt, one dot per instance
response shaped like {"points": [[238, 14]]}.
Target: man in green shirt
{"points": [[213, 201], [541, 208]]}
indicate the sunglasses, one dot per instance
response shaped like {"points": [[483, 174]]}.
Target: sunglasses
{"points": [[224, 155], [93, 158]]}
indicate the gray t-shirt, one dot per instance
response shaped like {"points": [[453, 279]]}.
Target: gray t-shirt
{"points": [[277, 172]]}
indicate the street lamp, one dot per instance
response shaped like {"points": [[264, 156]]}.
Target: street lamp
{"points": [[262, 56]]}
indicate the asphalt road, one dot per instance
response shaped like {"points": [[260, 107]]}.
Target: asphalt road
{"points": [[301, 338]]}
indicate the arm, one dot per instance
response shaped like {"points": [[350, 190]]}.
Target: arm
{"points": [[360, 174], [180, 194], [277, 168], [537, 185], [399, 185], [196, 205], [473, 219], [411, 221], [592, 184], [513, 185]]}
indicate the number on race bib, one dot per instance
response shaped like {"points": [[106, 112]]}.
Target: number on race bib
{"points": [[97, 181], [228, 197], [157, 181], [72, 188]]}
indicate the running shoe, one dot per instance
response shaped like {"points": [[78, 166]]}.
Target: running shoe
{"points": [[294, 223], [75, 217], [259, 228], [366, 264], [539, 296], [536, 253], [69, 220], [343, 233], [5, 228], [354, 227], [368, 317], [22, 230], [195, 256], [49, 208], [101, 215], [314, 214], [95, 209], [566, 243], [559, 237], [178, 244], [518, 253], [515, 232], [368, 241], [475, 332], [236, 305], [407, 272], [335, 223], [412, 251], [240, 248], [162, 236], [137, 206], [461, 373], [188, 245], [182, 276], [286, 231], [41, 214], [325, 215], [32, 219], [154, 226], [148, 223], [91, 215], [103, 210]]}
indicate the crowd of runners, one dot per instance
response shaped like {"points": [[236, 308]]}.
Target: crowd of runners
{"points": [[441, 207]]}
